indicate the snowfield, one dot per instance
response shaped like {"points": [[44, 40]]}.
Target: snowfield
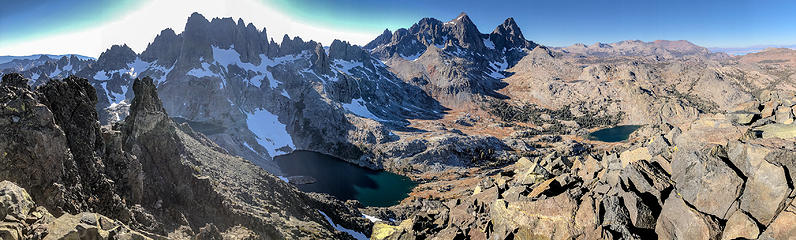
{"points": [[357, 107], [225, 57], [270, 133], [355, 234]]}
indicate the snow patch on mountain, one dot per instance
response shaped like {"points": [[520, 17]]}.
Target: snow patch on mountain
{"points": [[489, 44], [133, 69], [162, 71], [137, 67], [354, 234], [55, 73], [270, 133], [442, 45], [358, 107], [372, 218], [497, 68], [202, 72], [113, 97], [225, 57], [101, 76], [412, 57], [107, 93], [347, 66]]}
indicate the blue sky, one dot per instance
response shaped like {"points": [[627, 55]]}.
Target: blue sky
{"points": [[90, 26]]}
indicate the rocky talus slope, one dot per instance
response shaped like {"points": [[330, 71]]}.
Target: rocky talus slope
{"points": [[147, 173], [727, 175]]}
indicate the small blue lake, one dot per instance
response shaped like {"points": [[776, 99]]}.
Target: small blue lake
{"points": [[345, 180], [614, 134]]}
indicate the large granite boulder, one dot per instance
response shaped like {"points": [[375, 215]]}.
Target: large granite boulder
{"points": [[740, 225], [679, 221], [705, 181]]}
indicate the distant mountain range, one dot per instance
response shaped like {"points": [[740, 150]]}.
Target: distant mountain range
{"points": [[746, 50], [6, 59]]}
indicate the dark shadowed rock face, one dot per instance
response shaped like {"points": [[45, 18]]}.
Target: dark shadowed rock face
{"points": [[508, 35], [146, 172], [33, 147], [58, 129]]}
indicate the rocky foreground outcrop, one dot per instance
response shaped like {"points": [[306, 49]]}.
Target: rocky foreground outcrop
{"points": [[724, 176], [148, 174]]}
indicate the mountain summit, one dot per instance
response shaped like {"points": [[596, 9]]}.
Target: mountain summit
{"points": [[480, 59]]}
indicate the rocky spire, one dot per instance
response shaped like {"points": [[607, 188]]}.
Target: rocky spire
{"points": [[146, 97], [294, 46], [320, 62], [146, 110], [165, 48], [384, 38], [465, 31], [195, 40], [508, 35], [345, 51]]}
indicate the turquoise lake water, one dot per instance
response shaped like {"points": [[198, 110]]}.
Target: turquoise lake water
{"points": [[345, 180]]}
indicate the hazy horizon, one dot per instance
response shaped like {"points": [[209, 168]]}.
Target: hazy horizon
{"points": [[88, 27]]}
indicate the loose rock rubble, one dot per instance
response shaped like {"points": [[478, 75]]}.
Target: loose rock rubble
{"points": [[718, 178]]}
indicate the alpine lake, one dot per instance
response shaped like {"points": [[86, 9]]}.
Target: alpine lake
{"points": [[613, 134], [344, 180]]}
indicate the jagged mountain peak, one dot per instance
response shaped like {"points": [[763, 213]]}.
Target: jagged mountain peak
{"points": [[162, 48], [343, 50], [462, 17], [116, 57], [508, 35], [384, 38], [509, 26], [196, 18], [458, 33]]}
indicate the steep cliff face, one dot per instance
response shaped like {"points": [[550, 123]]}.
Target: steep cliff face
{"points": [[147, 171], [53, 132]]}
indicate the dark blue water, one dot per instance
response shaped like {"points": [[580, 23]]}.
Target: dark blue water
{"points": [[345, 180], [614, 134]]}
